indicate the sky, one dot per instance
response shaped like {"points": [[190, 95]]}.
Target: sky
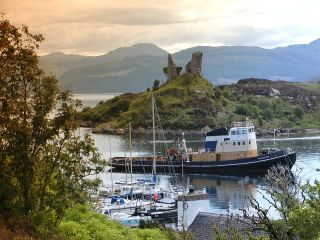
{"points": [[95, 27]]}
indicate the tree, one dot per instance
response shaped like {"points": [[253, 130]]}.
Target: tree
{"points": [[297, 204], [44, 164], [298, 112], [156, 85], [242, 110]]}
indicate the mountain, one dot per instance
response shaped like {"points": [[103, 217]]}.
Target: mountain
{"points": [[133, 69], [120, 70]]}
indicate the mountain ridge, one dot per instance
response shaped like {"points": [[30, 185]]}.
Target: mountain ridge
{"points": [[133, 69]]}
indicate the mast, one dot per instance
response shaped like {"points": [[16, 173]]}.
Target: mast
{"points": [[185, 151], [111, 165], [130, 156], [154, 170]]}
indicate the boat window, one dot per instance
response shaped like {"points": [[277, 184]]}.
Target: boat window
{"points": [[233, 132], [244, 131], [243, 143], [238, 132], [249, 142], [234, 143], [238, 143]]}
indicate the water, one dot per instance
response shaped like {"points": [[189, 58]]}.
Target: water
{"points": [[92, 99], [227, 193]]}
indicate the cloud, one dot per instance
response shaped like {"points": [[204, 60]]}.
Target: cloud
{"points": [[94, 27]]}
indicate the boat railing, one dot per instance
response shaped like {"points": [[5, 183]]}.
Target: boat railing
{"points": [[242, 124]]}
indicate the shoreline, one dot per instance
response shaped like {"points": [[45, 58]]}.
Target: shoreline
{"points": [[199, 132]]}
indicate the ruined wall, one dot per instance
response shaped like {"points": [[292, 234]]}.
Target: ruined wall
{"points": [[171, 68], [194, 67]]}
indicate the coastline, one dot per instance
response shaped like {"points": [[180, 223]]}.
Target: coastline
{"points": [[198, 132]]}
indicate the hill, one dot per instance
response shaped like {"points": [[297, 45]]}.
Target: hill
{"points": [[133, 69], [123, 69], [192, 103]]}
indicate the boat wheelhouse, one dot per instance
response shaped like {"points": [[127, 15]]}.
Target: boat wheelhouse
{"points": [[222, 144]]}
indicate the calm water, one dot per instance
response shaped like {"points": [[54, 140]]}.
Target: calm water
{"points": [[90, 100], [226, 193]]}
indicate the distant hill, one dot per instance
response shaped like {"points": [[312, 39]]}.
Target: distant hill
{"points": [[133, 69]]}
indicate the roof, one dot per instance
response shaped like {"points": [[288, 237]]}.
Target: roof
{"points": [[202, 228], [218, 132]]}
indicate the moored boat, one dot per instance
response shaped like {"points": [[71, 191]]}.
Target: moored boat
{"points": [[226, 152]]}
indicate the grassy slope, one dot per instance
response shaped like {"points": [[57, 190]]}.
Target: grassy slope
{"points": [[193, 103]]}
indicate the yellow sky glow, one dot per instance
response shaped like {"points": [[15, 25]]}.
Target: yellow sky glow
{"points": [[94, 27]]}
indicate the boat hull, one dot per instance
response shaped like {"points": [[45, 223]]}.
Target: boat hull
{"points": [[254, 166]]}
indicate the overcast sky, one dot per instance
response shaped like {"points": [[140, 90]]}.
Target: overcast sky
{"points": [[94, 27]]}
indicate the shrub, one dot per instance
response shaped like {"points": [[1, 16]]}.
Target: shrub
{"points": [[242, 110], [298, 112]]}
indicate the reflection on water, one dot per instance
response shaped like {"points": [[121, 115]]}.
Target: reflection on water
{"points": [[226, 193]]}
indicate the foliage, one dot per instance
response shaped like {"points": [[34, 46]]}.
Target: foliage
{"points": [[156, 85], [296, 203], [233, 232], [84, 224], [18, 228], [44, 164], [298, 112], [192, 103], [242, 110]]}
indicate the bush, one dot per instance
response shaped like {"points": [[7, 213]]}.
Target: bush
{"points": [[156, 85], [267, 114], [242, 110], [73, 231], [298, 112], [81, 223]]}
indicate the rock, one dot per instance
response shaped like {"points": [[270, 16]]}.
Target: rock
{"points": [[274, 92], [194, 67]]}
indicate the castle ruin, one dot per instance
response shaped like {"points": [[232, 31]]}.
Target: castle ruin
{"points": [[194, 66], [172, 71]]}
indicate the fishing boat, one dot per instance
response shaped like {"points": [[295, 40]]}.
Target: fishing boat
{"points": [[226, 152]]}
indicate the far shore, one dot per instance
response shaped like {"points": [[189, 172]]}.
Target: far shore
{"points": [[196, 133]]}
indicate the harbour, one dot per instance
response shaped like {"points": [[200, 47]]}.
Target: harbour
{"points": [[226, 193]]}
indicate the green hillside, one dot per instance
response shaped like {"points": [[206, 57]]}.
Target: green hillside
{"points": [[193, 103]]}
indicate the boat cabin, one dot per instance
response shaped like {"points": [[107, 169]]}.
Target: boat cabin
{"points": [[229, 144]]}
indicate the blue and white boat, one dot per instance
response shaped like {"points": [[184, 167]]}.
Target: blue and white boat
{"points": [[226, 152]]}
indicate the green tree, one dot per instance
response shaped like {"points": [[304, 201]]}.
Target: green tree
{"points": [[298, 112], [267, 114], [44, 164], [156, 85], [297, 205], [242, 110]]}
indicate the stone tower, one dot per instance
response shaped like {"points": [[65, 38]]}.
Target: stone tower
{"points": [[171, 69], [194, 66]]}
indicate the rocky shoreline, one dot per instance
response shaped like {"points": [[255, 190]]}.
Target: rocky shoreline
{"points": [[197, 132]]}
